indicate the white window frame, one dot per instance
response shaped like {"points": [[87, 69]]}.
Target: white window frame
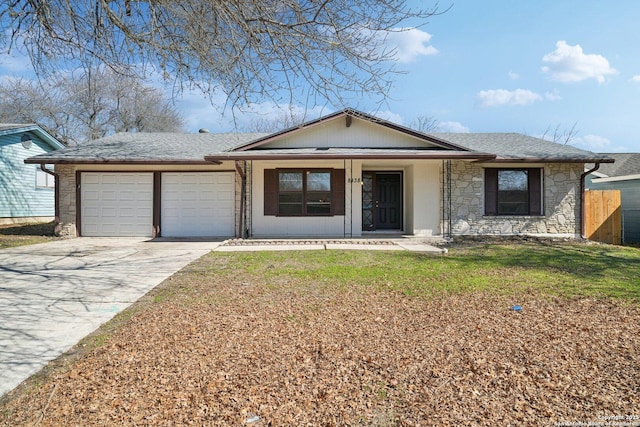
{"points": [[45, 181]]}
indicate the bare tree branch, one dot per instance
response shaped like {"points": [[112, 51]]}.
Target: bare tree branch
{"points": [[424, 124], [249, 49], [285, 120], [560, 135]]}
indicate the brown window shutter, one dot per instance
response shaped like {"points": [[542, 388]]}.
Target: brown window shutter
{"points": [[270, 192], [490, 191], [337, 191], [535, 192]]}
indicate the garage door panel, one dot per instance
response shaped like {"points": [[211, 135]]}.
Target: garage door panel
{"points": [[198, 204], [116, 204], [109, 213], [224, 195], [91, 179], [226, 179]]}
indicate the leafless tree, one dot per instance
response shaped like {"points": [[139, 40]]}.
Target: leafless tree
{"points": [[249, 49], [424, 124], [285, 120], [560, 135], [88, 104]]}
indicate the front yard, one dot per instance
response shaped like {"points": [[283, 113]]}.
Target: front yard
{"points": [[25, 234], [363, 338]]}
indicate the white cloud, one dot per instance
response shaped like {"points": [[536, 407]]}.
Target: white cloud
{"points": [[593, 142], [570, 64], [513, 75], [636, 78], [388, 116], [407, 44], [500, 97], [553, 95], [452, 127]]}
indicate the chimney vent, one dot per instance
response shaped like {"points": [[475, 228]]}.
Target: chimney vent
{"points": [[203, 130]]}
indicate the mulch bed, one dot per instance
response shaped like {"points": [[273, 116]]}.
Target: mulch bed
{"points": [[237, 352]]}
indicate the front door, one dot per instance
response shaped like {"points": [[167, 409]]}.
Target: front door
{"points": [[381, 201]]}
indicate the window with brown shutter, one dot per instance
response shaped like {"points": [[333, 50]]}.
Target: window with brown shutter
{"points": [[513, 191], [304, 192]]}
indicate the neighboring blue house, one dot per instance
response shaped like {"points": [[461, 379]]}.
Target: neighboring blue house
{"points": [[623, 175], [26, 191]]}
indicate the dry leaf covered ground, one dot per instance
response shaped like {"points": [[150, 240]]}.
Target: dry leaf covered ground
{"points": [[222, 345]]}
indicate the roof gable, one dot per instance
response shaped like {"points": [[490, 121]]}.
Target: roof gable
{"points": [[349, 129], [26, 128]]}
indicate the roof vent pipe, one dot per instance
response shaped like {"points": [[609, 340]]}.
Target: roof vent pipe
{"points": [[203, 130]]}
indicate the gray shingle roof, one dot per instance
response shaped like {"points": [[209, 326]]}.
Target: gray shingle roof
{"points": [[192, 148], [148, 148], [517, 146], [11, 126], [626, 164]]}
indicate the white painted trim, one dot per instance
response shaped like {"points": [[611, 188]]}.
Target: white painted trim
{"points": [[616, 178], [598, 174]]}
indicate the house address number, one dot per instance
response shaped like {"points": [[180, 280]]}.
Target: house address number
{"points": [[352, 180]]}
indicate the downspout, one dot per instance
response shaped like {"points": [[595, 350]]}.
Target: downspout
{"points": [[243, 190], [582, 198], [442, 217], [56, 191]]}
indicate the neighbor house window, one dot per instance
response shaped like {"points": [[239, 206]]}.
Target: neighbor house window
{"points": [[304, 192], [513, 191], [43, 179]]}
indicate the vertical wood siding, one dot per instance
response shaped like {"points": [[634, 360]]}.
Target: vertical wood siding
{"points": [[603, 216], [630, 199]]}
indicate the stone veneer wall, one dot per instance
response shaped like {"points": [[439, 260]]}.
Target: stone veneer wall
{"points": [[561, 182], [67, 186]]}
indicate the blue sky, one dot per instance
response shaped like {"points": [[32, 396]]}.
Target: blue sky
{"points": [[500, 66], [513, 66]]}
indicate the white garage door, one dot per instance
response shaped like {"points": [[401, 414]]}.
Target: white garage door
{"points": [[116, 204], [199, 204]]}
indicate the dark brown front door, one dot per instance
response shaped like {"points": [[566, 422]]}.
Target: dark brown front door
{"points": [[382, 201]]}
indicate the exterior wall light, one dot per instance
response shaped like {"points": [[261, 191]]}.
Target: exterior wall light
{"points": [[26, 140]]}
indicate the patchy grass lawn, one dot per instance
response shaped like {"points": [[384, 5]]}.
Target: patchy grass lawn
{"points": [[26, 234], [363, 338]]}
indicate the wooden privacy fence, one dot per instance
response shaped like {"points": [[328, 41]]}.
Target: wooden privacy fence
{"points": [[603, 216]]}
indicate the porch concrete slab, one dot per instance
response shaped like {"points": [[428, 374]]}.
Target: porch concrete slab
{"points": [[54, 294]]}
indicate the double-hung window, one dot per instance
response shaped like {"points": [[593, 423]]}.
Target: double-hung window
{"points": [[513, 191]]}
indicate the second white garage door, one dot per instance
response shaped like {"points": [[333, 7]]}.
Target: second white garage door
{"points": [[198, 204]]}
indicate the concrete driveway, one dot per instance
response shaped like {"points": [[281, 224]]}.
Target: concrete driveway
{"points": [[54, 294]]}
